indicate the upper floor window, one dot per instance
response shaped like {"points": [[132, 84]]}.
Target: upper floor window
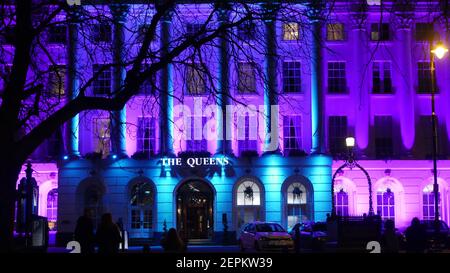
{"points": [[247, 31], [8, 35], [424, 78], [337, 132], [247, 78], [196, 141], [102, 136], [146, 138], [102, 33], [57, 34], [381, 78], [335, 32], [57, 79], [292, 82], [290, 31], [424, 31], [102, 81], [149, 85], [337, 82], [247, 133], [383, 137], [379, 32], [292, 135], [193, 29], [195, 79], [426, 137]]}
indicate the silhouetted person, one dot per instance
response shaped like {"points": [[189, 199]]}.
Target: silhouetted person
{"points": [[84, 232], [416, 237], [122, 232], [389, 240], [172, 242], [108, 235], [297, 238]]}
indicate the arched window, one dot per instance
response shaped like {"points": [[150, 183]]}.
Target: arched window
{"points": [[341, 203], [248, 202], [386, 204], [141, 206], [52, 208], [297, 202], [428, 203]]}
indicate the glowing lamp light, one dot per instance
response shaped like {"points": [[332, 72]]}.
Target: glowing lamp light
{"points": [[350, 142], [440, 50], [65, 157], [114, 156]]}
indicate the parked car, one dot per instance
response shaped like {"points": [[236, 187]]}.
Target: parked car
{"points": [[443, 239], [265, 236], [312, 235]]}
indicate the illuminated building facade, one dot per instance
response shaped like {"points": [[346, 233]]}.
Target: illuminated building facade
{"points": [[367, 76]]}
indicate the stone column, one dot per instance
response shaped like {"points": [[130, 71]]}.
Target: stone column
{"points": [[270, 77], [317, 92], [223, 87], [360, 80], [166, 93], [119, 118], [405, 90], [73, 81]]}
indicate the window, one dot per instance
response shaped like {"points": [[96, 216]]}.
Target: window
{"points": [[196, 141], [335, 32], [193, 29], [93, 201], [248, 202], [57, 80], [141, 206], [57, 34], [102, 83], [52, 208], [292, 82], [247, 78], [196, 80], [8, 35], [102, 33], [246, 31], [337, 83], [386, 204], [424, 78], [102, 136], [55, 145], [290, 32], [149, 85], [424, 31], [292, 134], [428, 203], [297, 204], [341, 203], [383, 137], [247, 133], [381, 78], [337, 132], [146, 138], [426, 133], [379, 32]]}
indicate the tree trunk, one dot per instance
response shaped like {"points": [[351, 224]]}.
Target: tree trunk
{"points": [[9, 173]]}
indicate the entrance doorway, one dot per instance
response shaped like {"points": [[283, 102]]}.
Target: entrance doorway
{"points": [[195, 218]]}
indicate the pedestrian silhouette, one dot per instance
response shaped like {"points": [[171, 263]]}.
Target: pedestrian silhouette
{"points": [[172, 242], [84, 232], [416, 237], [389, 239], [108, 235]]}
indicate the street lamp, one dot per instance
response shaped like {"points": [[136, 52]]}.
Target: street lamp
{"points": [[351, 163], [439, 51]]}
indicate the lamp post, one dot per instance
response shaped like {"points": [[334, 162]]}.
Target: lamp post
{"points": [[351, 163], [439, 51]]}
